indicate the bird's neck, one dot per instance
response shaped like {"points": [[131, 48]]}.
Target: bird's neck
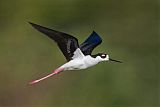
{"points": [[95, 58]]}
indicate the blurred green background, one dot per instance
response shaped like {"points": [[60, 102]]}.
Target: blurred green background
{"points": [[129, 29]]}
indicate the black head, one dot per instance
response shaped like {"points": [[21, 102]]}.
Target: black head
{"points": [[101, 57], [104, 57]]}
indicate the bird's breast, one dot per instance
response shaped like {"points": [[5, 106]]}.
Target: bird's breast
{"points": [[89, 61], [74, 65], [78, 64]]}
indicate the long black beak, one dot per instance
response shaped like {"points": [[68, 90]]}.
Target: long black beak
{"points": [[114, 60]]}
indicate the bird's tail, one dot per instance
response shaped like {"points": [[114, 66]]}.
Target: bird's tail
{"points": [[49, 75]]}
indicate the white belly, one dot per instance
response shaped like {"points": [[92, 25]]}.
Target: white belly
{"points": [[74, 65], [77, 64]]}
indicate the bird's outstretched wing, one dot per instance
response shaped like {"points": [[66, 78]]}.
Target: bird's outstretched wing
{"points": [[67, 43], [90, 43]]}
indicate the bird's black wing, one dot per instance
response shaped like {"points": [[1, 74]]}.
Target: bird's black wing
{"points": [[90, 43], [67, 43]]}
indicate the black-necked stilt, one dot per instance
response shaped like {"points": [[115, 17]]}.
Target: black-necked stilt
{"points": [[78, 56]]}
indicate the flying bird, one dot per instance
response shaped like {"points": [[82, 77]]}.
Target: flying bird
{"points": [[77, 56]]}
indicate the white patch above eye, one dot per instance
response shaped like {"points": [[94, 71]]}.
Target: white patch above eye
{"points": [[103, 55]]}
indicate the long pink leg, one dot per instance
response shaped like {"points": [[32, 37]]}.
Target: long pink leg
{"points": [[43, 78]]}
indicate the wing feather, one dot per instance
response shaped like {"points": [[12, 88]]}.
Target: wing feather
{"points": [[90, 43], [67, 43]]}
